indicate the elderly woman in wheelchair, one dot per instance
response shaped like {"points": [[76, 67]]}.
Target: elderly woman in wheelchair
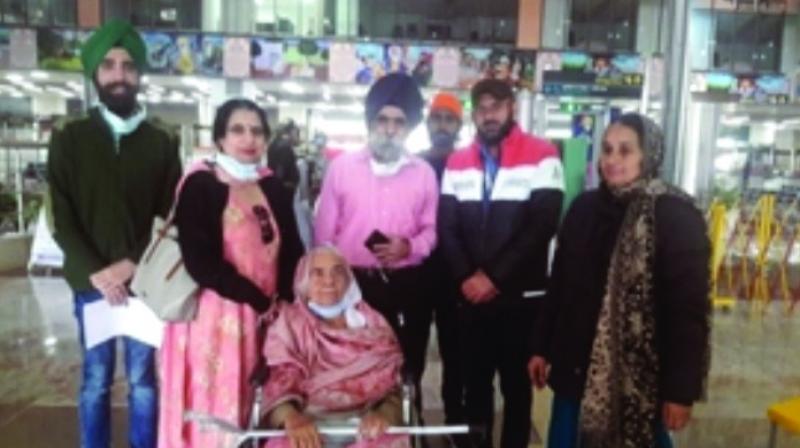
{"points": [[332, 361]]}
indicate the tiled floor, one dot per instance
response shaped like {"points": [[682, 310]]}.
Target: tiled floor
{"points": [[756, 361]]}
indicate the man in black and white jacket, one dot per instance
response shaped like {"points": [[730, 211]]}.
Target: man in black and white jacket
{"points": [[499, 209]]}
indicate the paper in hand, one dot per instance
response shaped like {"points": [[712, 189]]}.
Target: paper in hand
{"points": [[102, 321]]}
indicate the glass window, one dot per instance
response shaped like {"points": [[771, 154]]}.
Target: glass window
{"points": [[748, 42], [343, 17], [65, 12], [39, 12], [289, 17], [52, 12], [172, 14], [330, 21], [13, 11], [296, 17], [466, 20], [471, 20], [603, 25]]}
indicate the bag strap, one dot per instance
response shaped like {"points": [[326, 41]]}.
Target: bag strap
{"points": [[204, 165]]}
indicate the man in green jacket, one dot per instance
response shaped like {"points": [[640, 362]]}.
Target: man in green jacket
{"points": [[110, 174]]}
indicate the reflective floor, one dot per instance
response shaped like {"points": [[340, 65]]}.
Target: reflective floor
{"points": [[756, 361]]}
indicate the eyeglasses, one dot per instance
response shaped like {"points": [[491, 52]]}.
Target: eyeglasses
{"points": [[267, 232]]}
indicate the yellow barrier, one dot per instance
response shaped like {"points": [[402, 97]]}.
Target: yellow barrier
{"points": [[782, 269], [737, 275], [788, 234], [745, 261], [764, 237], [748, 262], [717, 223]]}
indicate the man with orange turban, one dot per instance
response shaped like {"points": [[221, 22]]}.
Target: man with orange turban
{"points": [[444, 123]]}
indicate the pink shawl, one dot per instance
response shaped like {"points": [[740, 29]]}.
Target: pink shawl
{"points": [[325, 369]]}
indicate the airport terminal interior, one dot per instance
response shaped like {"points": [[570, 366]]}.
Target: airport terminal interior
{"points": [[722, 78]]}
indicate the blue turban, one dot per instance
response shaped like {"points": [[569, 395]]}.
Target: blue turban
{"points": [[396, 89]]}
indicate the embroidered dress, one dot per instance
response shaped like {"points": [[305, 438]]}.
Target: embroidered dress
{"points": [[205, 363]]}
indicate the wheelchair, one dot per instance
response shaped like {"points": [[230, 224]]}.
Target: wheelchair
{"points": [[253, 437]]}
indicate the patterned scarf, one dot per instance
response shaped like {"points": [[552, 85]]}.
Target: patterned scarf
{"points": [[620, 404]]}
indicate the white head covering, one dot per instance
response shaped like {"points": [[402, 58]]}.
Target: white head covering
{"points": [[347, 304]]}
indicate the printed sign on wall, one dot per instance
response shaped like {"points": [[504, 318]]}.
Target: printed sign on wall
{"points": [[446, 64], [413, 60], [306, 59], [747, 88], [161, 51], [605, 75], [59, 49], [342, 63], [513, 66], [267, 58], [236, 57], [369, 63], [23, 51], [212, 49], [474, 66]]}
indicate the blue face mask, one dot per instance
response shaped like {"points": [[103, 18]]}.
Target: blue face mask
{"points": [[328, 311], [441, 139]]}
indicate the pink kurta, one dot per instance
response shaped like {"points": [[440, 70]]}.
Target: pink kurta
{"points": [[331, 371], [354, 202], [205, 363]]}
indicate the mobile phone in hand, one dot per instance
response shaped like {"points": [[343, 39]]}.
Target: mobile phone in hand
{"points": [[376, 237]]}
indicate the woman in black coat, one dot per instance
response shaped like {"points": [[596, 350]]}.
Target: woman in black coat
{"points": [[623, 337]]}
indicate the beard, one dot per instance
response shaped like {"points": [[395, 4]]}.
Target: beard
{"points": [[385, 149], [491, 133], [121, 103]]}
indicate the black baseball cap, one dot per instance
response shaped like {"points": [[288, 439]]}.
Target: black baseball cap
{"points": [[499, 90]]}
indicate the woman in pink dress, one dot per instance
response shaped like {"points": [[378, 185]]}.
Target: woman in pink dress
{"points": [[239, 242], [333, 361]]}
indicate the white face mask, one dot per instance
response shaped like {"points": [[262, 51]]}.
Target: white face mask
{"points": [[387, 169], [122, 126], [327, 311], [346, 306], [245, 172]]}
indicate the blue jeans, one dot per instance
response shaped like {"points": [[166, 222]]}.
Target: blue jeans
{"points": [[98, 376], [563, 431]]}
